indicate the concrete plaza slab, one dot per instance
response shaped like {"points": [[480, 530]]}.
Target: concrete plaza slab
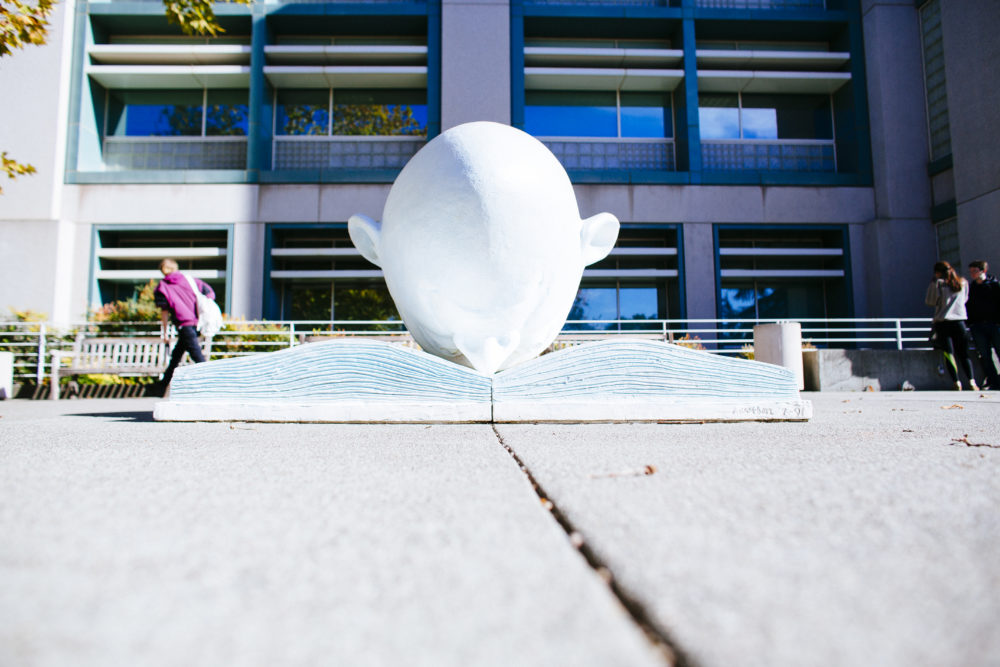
{"points": [[866, 536], [869, 536], [127, 542]]}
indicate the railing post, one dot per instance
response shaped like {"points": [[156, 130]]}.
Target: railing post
{"points": [[899, 335], [40, 366], [291, 334]]}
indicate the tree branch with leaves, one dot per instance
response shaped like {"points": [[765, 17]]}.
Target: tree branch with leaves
{"points": [[21, 24], [27, 23], [196, 17]]}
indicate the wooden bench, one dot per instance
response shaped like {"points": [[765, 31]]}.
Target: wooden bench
{"points": [[138, 356]]}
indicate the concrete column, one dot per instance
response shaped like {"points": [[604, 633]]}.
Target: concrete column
{"points": [[971, 76], [900, 241], [780, 344], [247, 271], [700, 290], [475, 61]]}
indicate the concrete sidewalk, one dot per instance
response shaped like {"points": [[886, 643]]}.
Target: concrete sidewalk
{"points": [[868, 536]]}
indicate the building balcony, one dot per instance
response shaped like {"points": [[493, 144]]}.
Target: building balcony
{"points": [[761, 4], [768, 155], [591, 153], [166, 153], [312, 152]]}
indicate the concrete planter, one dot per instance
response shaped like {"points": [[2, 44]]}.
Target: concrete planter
{"points": [[882, 370]]}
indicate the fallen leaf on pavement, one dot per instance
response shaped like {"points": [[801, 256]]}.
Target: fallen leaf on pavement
{"points": [[956, 406], [964, 440], [648, 470]]}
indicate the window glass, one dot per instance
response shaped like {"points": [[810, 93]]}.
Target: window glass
{"points": [[595, 303], [303, 112], [308, 301], [638, 303], [787, 117], [379, 112], [646, 115], [159, 113], [737, 301], [570, 114], [719, 116], [227, 113]]}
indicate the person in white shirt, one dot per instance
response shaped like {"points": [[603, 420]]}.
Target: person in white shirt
{"points": [[948, 293]]}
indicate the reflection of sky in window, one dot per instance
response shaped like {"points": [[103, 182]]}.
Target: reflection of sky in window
{"points": [[315, 119], [596, 303], [144, 120], [719, 122], [227, 120], [419, 114], [570, 121], [760, 123], [638, 302], [644, 122], [737, 302]]}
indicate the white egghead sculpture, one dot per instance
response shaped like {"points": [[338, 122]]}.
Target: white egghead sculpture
{"points": [[482, 245]]}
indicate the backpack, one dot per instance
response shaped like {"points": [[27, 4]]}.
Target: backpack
{"points": [[209, 314]]}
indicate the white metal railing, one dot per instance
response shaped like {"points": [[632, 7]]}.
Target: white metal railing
{"points": [[32, 342]]}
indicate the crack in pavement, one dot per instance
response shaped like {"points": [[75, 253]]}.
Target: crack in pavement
{"points": [[656, 634]]}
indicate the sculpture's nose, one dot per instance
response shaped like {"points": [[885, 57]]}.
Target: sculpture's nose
{"points": [[487, 353]]}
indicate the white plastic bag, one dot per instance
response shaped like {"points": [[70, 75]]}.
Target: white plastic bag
{"points": [[209, 313]]}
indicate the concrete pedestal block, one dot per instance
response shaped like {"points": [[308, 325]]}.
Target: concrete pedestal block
{"points": [[6, 375], [780, 344]]}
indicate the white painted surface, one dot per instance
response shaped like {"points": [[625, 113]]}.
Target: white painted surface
{"points": [[482, 245], [6, 375], [780, 344], [667, 409], [329, 411]]}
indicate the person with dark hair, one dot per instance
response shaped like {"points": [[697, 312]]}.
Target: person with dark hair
{"points": [[948, 294], [179, 302], [983, 309]]}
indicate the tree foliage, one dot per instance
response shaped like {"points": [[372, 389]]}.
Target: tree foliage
{"points": [[141, 307], [26, 23], [21, 24], [352, 120], [222, 120], [195, 17], [12, 168]]}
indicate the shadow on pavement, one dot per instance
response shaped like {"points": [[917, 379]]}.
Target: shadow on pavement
{"points": [[137, 416]]}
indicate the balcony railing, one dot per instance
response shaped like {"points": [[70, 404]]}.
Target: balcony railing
{"points": [[756, 155], [33, 342], [761, 4], [308, 152], [616, 153], [605, 3], [144, 153]]}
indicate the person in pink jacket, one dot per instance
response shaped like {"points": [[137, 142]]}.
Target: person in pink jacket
{"points": [[178, 302]]}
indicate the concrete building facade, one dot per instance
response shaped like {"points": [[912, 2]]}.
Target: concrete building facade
{"points": [[767, 158]]}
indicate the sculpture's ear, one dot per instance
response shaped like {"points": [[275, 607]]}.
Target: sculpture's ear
{"points": [[598, 236], [365, 235]]}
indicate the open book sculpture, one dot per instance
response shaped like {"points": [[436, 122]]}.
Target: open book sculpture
{"points": [[483, 247]]}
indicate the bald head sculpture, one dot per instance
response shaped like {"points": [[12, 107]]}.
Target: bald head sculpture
{"points": [[482, 245]]}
